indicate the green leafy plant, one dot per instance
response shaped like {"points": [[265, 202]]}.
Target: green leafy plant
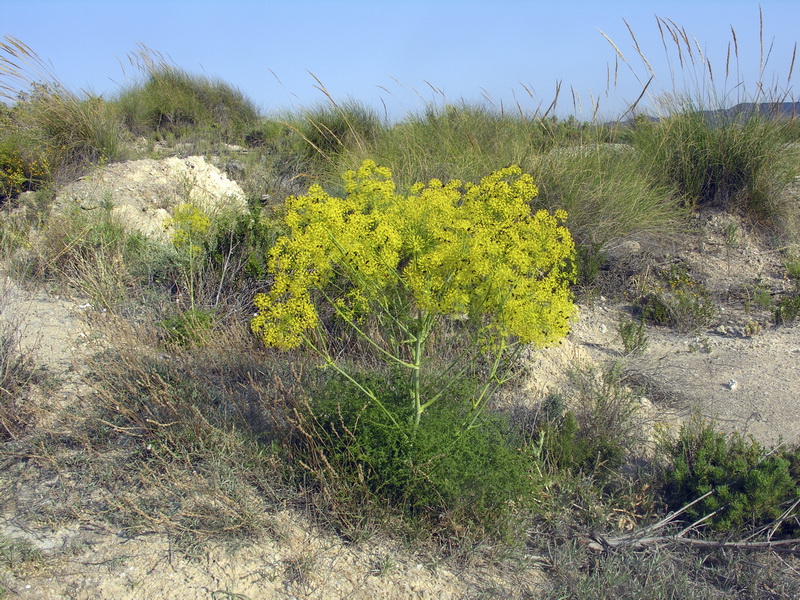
{"points": [[21, 169], [591, 259], [792, 264], [745, 483], [191, 326], [595, 434], [471, 255], [787, 310], [759, 294]]}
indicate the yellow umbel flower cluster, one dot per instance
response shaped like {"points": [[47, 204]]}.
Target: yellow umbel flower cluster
{"points": [[188, 224], [447, 249]]}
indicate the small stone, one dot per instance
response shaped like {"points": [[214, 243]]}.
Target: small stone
{"points": [[732, 384]]}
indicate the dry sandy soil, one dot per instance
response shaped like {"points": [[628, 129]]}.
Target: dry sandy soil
{"points": [[678, 374]]}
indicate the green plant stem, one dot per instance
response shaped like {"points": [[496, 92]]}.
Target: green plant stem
{"points": [[416, 360], [330, 362]]}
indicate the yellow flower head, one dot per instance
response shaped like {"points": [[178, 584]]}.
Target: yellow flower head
{"points": [[449, 249]]}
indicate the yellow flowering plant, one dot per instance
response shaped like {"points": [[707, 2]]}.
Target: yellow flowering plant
{"points": [[471, 254], [189, 225]]}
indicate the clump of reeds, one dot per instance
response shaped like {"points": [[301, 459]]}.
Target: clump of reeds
{"points": [[709, 151]]}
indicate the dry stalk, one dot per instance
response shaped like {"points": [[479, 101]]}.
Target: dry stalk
{"points": [[645, 536]]}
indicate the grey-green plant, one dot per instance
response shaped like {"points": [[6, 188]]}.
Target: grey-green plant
{"points": [[633, 335], [17, 370], [791, 263]]}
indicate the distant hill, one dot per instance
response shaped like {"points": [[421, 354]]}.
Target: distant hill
{"points": [[781, 110]]}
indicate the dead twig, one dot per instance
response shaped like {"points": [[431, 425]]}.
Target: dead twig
{"points": [[641, 538]]}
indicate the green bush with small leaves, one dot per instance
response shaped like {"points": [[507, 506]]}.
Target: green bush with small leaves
{"points": [[21, 168], [363, 455], [594, 435], [787, 310], [749, 485], [633, 335], [189, 327]]}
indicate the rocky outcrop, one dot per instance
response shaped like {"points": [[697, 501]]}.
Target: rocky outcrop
{"points": [[143, 193]]}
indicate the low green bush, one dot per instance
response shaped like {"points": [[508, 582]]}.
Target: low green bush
{"points": [[51, 133], [787, 310], [189, 327], [633, 335], [597, 433], [22, 168], [748, 485]]}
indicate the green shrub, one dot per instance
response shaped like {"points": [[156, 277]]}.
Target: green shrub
{"points": [[787, 310], [189, 327], [748, 485], [361, 455], [22, 168], [69, 129], [633, 335], [590, 260], [792, 264]]}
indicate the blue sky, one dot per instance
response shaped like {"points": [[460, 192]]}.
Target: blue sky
{"points": [[397, 55]]}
